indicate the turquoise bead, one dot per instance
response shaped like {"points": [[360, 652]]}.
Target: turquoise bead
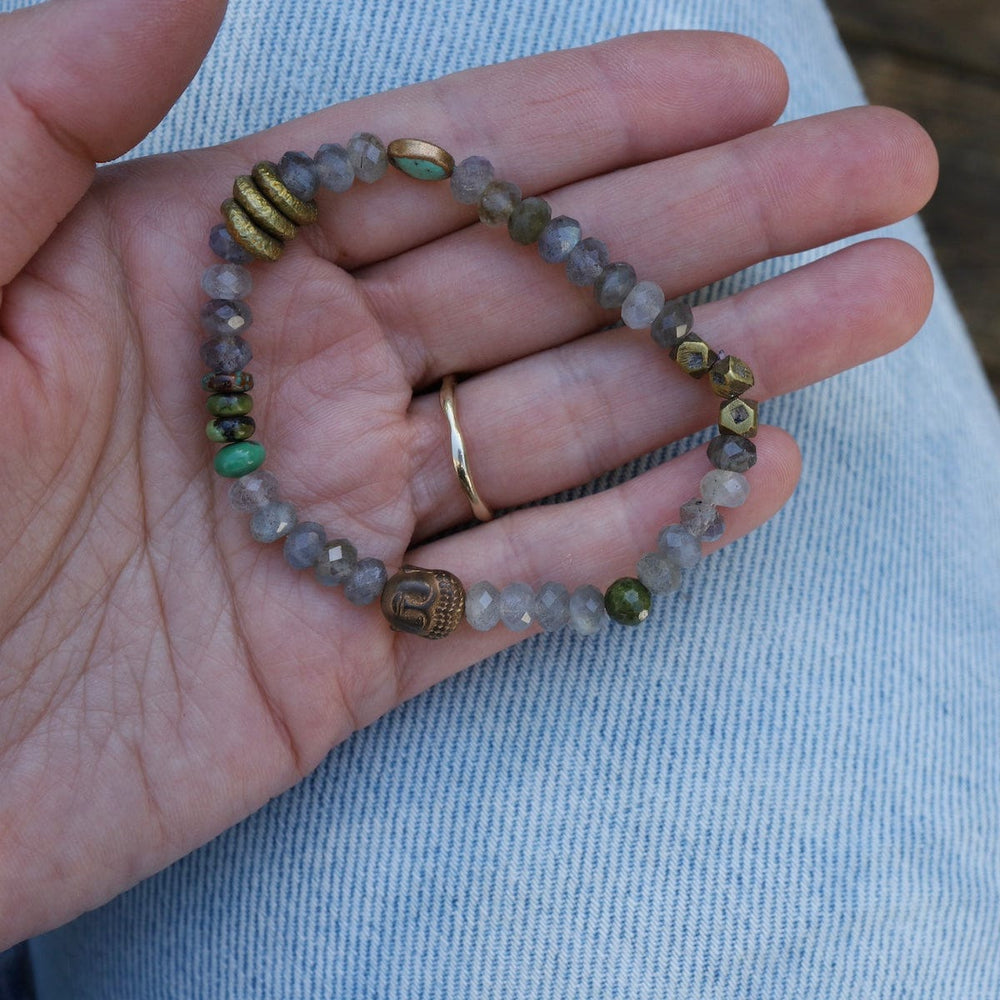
{"points": [[239, 459], [421, 170]]}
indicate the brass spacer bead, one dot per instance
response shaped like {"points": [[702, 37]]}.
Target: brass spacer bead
{"points": [[738, 416], [248, 234], [730, 377], [261, 210], [267, 178], [694, 356]]}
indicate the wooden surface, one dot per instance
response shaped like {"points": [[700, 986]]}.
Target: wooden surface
{"points": [[939, 60]]}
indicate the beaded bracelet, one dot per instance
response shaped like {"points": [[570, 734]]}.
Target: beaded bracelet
{"points": [[264, 213]]}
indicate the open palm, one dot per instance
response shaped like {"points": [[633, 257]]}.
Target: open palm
{"points": [[163, 675]]}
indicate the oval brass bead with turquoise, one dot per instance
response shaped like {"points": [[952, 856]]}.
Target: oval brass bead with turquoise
{"points": [[239, 459], [627, 601], [229, 404], [223, 429]]}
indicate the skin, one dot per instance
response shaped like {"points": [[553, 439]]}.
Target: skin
{"points": [[162, 674]]}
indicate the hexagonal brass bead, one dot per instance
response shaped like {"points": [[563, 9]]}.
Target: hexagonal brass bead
{"points": [[730, 377], [694, 356], [738, 416]]}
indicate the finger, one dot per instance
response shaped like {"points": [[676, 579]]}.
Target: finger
{"points": [[82, 82], [546, 120], [552, 421], [684, 222], [593, 540]]}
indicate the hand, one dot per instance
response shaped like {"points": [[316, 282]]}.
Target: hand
{"points": [[164, 675]]}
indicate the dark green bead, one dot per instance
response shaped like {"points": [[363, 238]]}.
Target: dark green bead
{"points": [[227, 382], [627, 601], [229, 404], [239, 459], [223, 429], [528, 220]]}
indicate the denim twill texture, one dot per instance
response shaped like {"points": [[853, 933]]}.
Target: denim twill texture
{"points": [[787, 785]]}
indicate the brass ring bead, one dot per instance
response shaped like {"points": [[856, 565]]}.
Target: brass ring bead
{"points": [[266, 215], [268, 180], [432, 603], [248, 234]]}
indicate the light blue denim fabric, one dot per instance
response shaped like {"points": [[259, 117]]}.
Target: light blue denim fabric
{"points": [[786, 786]]}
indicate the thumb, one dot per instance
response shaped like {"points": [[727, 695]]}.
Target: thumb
{"points": [[83, 81]]}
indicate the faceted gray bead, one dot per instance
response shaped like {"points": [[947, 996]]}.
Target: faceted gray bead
{"points": [[368, 157], [304, 543], [672, 324], [298, 173], [517, 602], [225, 317], [273, 521], [586, 261], [613, 285], [725, 489], [226, 355], [558, 239], [367, 581], [336, 562], [679, 546], [222, 244], [333, 167], [256, 489], [469, 180], [498, 200], [482, 606], [227, 281], [732, 452], [528, 220], [697, 516], [552, 606], [587, 614], [715, 530], [658, 574], [643, 305]]}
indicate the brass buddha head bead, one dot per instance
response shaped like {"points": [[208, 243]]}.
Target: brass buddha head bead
{"points": [[427, 602]]}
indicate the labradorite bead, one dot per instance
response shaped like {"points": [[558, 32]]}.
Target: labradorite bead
{"points": [[225, 317], [552, 606], [273, 521], [627, 601], [528, 220], [336, 562], [368, 157], [517, 602], [222, 244], [613, 285], [227, 281], [499, 199], [679, 546], [469, 179], [658, 574], [303, 544], [230, 429], [642, 305], [333, 167], [558, 238], [697, 516], [227, 382], [367, 582], [252, 491], [587, 614], [239, 459], [229, 404], [482, 606], [586, 261], [298, 173], [672, 324], [732, 452], [725, 489], [226, 355]]}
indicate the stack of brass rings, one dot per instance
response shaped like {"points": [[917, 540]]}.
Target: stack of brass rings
{"points": [[266, 209]]}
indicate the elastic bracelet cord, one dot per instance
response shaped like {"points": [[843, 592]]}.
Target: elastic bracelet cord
{"points": [[267, 208]]}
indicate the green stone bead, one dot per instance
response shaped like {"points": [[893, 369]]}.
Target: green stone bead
{"points": [[229, 404], [239, 459], [223, 429], [627, 601]]}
